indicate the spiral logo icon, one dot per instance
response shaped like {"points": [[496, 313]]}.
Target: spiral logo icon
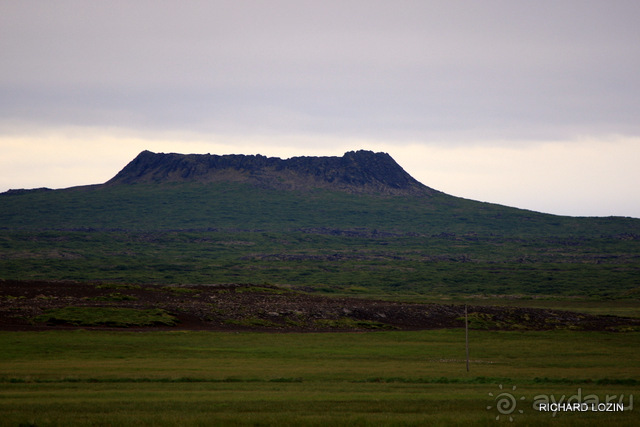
{"points": [[505, 403]]}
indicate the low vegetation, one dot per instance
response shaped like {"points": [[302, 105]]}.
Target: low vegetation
{"points": [[329, 241]]}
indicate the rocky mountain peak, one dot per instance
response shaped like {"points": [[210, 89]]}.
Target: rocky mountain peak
{"points": [[355, 172]]}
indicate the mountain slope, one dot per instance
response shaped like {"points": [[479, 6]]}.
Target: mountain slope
{"points": [[353, 224]]}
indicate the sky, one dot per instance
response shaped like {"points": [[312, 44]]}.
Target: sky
{"points": [[531, 104]]}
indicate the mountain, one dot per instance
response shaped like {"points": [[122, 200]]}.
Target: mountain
{"points": [[348, 224], [355, 172], [362, 189]]}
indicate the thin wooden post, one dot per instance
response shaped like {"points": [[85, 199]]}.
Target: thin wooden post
{"points": [[466, 334]]}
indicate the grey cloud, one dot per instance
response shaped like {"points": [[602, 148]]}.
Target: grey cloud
{"points": [[365, 68]]}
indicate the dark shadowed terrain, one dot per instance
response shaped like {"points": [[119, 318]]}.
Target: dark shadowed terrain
{"points": [[38, 305]]}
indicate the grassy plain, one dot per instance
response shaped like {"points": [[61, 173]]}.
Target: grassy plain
{"points": [[377, 378]]}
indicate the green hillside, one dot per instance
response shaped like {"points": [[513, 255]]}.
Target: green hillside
{"points": [[233, 206], [332, 241]]}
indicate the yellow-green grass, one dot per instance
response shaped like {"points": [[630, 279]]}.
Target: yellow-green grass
{"points": [[326, 403], [376, 378]]}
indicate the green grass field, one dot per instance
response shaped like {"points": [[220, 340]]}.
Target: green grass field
{"points": [[382, 378]]}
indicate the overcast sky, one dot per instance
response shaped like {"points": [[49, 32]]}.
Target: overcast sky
{"points": [[532, 104]]}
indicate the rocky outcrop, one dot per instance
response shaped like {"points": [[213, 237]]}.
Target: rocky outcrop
{"points": [[355, 172]]}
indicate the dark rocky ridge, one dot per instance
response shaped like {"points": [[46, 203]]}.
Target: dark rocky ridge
{"points": [[354, 172]]}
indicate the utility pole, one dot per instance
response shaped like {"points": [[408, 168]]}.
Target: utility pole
{"points": [[466, 333]]}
